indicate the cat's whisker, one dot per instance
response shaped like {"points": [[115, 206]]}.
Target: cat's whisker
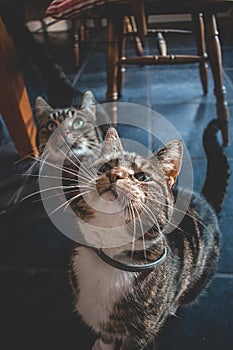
{"points": [[66, 156], [85, 180], [31, 155], [68, 147], [40, 147], [87, 173], [44, 190], [151, 216], [86, 187], [49, 177], [93, 146], [83, 168], [143, 237], [86, 177], [82, 182], [55, 195], [77, 159], [65, 169], [34, 164], [181, 212], [88, 167], [134, 229], [28, 172], [68, 202]]}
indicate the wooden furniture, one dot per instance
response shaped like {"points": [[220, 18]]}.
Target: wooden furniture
{"points": [[80, 33], [208, 45], [36, 11], [14, 103]]}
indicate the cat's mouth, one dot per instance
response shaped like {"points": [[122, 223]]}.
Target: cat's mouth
{"points": [[109, 195]]}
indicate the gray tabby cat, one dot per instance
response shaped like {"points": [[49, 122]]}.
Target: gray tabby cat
{"points": [[74, 132], [127, 292], [78, 129]]}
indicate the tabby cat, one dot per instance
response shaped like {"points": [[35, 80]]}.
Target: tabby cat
{"points": [[77, 134], [78, 130], [125, 293]]}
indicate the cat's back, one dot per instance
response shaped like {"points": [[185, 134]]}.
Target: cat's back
{"points": [[196, 243], [200, 219]]}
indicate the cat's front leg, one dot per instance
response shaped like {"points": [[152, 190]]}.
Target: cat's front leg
{"points": [[128, 344], [106, 342]]}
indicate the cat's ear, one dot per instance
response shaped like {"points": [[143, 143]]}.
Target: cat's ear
{"points": [[42, 108], [170, 158], [89, 104], [112, 144]]}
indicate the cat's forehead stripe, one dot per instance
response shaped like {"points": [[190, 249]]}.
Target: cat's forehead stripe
{"points": [[59, 112], [68, 112]]}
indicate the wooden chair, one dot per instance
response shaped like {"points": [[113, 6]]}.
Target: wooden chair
{"points": [[14, 103], [208, 45]]}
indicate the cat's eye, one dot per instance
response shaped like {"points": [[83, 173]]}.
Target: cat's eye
{"points": [[51, 126], [104, 168], [141, 176], [78, 123]]}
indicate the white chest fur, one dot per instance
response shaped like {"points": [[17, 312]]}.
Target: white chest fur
{"points": [[100, 286]]}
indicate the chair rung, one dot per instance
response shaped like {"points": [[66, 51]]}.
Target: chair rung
{"points": [[155, 31], [169, 59], [166, 31]]}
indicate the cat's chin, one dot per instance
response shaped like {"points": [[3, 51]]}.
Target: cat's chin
{"points": [[109, 196]]}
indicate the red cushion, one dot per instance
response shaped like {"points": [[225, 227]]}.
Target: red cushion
{"points": [[69, 8]]}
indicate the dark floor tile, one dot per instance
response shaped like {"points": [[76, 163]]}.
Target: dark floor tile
{"points": [[29, 239], [205, 325], [190, 121], [229, 73], [37, 312], [227, 56]]}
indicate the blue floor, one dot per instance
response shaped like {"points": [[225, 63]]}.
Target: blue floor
{"points": [[36, 311]]}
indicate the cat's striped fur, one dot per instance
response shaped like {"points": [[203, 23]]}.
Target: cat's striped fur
{"points": [[71, 131], [78, 129], [134, 306]]}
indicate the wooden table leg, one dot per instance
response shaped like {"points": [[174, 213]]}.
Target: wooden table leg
{"points": [[215, 59], [14, 103]]}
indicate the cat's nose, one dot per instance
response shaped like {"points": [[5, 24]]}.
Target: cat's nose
{"points": [[118, 173], [66, 132]]}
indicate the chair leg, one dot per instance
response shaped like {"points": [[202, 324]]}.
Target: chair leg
{"points": [[121, 68], [199, 31], [215, 59], [112, 59], [75, 32], [138, 44]]}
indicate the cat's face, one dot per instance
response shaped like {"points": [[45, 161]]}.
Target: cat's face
{"points": [[137, 189], [77, 129]]}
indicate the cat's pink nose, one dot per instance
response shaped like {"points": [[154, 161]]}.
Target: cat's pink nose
{"points": [[118, 173]]}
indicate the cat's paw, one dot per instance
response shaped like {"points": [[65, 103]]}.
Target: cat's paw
{"points": [[100, 345]]}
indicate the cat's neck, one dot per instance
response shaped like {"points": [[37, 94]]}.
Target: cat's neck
{"points": [[140, 264], [141, 253]]}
